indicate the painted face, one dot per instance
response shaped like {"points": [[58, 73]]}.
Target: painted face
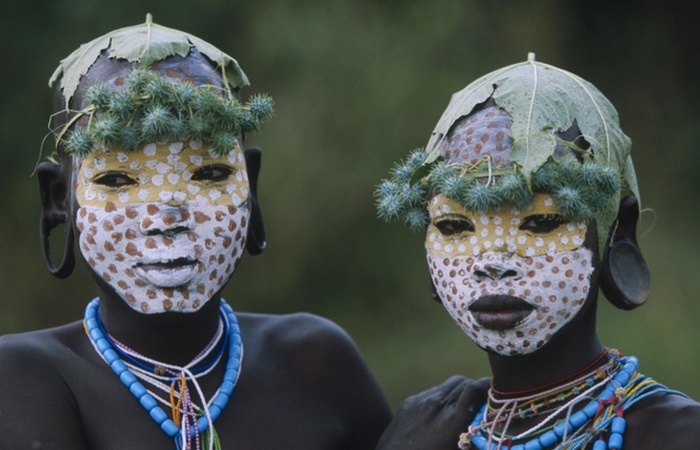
{"points": [[511, 279], [165, 225]]}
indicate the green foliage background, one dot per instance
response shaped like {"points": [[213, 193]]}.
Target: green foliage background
{"points": [[358, 84]]}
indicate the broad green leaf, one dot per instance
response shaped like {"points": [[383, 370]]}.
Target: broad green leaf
{"points": [[542, 100], [144, 44]]}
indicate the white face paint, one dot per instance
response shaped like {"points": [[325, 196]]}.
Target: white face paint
{"points": [[510, 279], [165, 225]]}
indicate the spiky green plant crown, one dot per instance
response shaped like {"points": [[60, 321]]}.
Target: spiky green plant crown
{"points": [[153, 108], [542, 101], [581, 190]]}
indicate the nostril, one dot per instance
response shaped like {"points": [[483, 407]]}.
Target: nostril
{"points": [[175, 230], [494, 272]]}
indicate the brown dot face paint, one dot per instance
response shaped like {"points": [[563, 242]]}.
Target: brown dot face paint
{"points": [[509, 281], [154, 218]]}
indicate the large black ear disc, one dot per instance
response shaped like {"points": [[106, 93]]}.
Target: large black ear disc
{"points": [[68, 262], [256, 239], [54, 195], [626, 282]]}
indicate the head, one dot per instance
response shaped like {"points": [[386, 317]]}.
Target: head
{"points": [[519, 191], [149, 173]]}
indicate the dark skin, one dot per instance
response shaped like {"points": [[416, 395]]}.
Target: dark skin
{"points": [[434, 419], [303, 383]]}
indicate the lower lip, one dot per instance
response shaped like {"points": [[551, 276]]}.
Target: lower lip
{"points": [[500, 320], [166, 276]]}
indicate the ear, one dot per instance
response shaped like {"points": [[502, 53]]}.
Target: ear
{"points": [[55, 210], [625, 279], [255, 239]]}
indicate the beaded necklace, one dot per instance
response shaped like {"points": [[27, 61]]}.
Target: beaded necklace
{"points": [[622, 386], [189, 422]]}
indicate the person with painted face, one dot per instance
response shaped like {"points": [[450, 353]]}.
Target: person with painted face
{"points": [[151, 182], [529, 201]]}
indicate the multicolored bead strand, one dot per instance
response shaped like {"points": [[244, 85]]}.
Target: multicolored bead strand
{"points": [[111, 355], [621, 391]]}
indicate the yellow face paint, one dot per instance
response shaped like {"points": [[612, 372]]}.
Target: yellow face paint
{"points": [[166, 173], [539, 230]]}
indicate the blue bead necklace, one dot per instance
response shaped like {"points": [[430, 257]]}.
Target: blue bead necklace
{"points": [[127, 369], [624, 388]]}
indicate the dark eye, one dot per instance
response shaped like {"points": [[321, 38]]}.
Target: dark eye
{"points": [[114, 179], [452, 226], [212, 173], [542, 223]]}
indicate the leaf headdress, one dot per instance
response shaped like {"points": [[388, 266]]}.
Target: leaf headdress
{"points": [[543, 102], [149, 103]]}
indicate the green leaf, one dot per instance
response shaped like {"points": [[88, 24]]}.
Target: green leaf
{"points": [[148, 43], [542, 100], [144, 44]]}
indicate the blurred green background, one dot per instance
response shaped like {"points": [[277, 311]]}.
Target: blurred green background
{"points": [[358, 84]]}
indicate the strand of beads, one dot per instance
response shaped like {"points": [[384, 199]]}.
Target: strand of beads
{"points": [[182, 436], [549, 401], [184, 411], [561, 432]]}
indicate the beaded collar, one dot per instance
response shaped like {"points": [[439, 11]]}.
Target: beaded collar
{"points": [[619, 385], [195, 422]]}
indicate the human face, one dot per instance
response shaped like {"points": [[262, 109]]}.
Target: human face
{"points": [[163, 225], [511, 279]]}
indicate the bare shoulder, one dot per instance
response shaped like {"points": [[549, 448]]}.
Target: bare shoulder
{"points": [[297, 331], [35, 368], [663, 420], [37, 350], [40, 360], [305, 356]]}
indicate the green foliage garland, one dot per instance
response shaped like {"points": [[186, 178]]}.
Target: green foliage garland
{"points": [[580, 190], [152, 108]]}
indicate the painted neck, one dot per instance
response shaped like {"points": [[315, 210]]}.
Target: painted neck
{"points": [[173, 338], [571, 350]]}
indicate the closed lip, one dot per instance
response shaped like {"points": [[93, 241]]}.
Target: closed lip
{"points": [[500, 312]]}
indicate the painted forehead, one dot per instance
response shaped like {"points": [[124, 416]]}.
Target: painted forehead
{"points": [[484, 134], [161, 173], [500, 230]]}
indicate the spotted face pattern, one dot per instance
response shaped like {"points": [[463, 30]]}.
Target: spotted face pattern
{"points": [[165, 225], [511, 279]]}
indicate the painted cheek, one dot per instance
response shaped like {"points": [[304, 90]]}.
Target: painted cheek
{"points": [[556, 286]]}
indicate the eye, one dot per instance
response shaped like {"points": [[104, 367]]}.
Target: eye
{"points": [[114, 179], [214, 172], [451, 226], [542, 223]]}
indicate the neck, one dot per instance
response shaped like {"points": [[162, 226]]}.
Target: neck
{"points": [[571, 350], [173, 338]]}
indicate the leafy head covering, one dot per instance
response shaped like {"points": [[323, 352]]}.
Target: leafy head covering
{"points": [[149, 83], [547, 130]]}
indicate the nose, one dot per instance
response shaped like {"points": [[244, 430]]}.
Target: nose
{"points": [[493, 267], [165, 219]]}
